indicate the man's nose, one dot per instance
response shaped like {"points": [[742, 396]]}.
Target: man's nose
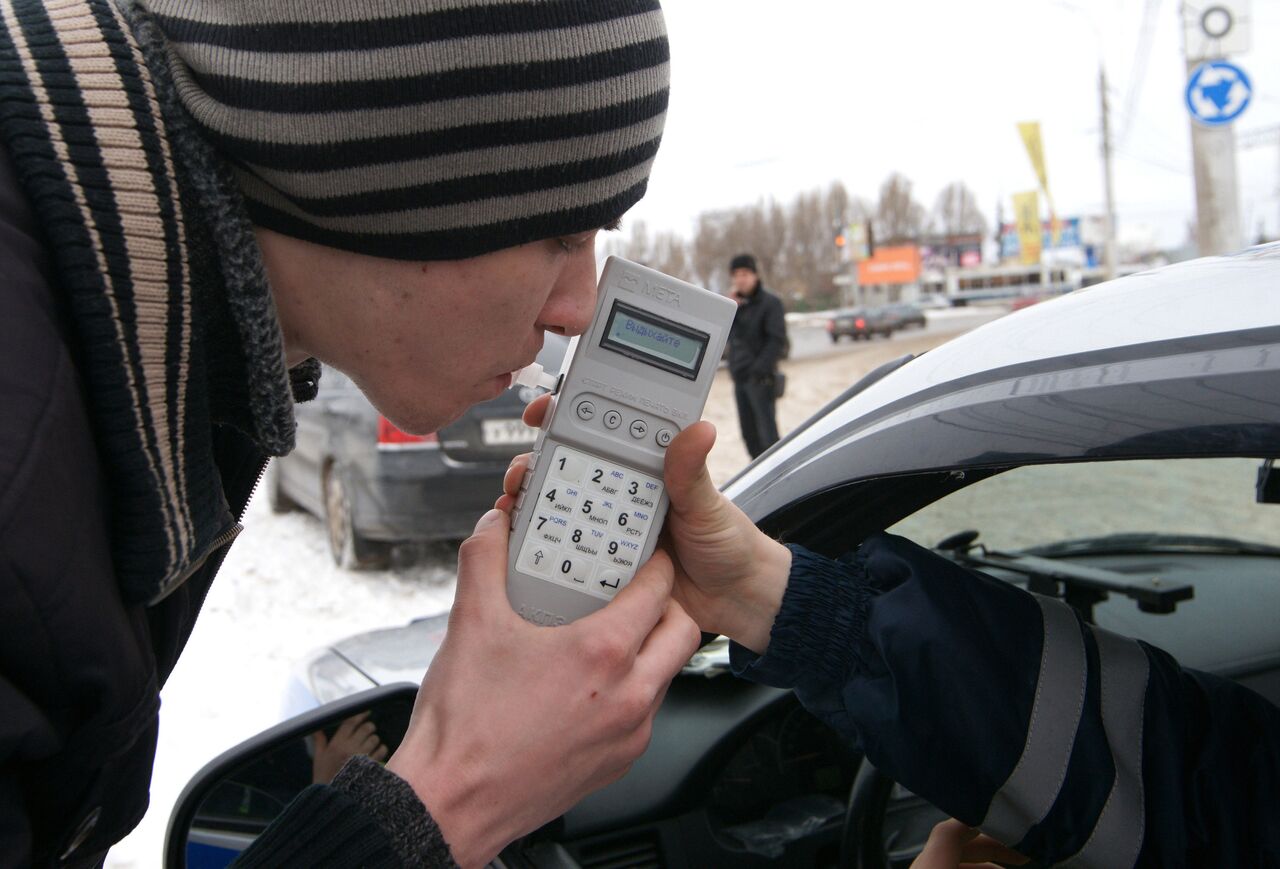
{"points": [[573, 299]]}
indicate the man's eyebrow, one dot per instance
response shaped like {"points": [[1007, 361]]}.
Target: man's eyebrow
{"points": [[613, 225]]}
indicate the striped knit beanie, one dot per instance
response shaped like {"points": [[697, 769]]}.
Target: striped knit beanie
{"points": [[426, 129]]}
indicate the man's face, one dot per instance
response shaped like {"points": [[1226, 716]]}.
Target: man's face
{"points": [[426, 341], [744, 281]]}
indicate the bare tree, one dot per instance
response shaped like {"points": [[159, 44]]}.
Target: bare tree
{"points": [[899, 218], [956, 212]]}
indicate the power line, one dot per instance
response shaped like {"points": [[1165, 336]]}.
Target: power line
{"points": [[1145, 38]]}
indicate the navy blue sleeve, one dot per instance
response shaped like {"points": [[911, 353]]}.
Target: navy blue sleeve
{"points": [[1008, 712]]}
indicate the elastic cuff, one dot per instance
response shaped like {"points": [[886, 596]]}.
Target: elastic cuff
{"points": [[397, 810], [819, 627]]}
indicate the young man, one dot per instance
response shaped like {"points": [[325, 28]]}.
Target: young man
{"points": [[198, 200], [755, 346]]}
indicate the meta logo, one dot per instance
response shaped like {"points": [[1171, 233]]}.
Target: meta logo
{"points": [[657, 292], [540, 617]]}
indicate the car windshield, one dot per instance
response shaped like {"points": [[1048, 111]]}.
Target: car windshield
{"points": [[1117, 505]]}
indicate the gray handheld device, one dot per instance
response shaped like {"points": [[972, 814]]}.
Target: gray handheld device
{"points": [[592, 502]]}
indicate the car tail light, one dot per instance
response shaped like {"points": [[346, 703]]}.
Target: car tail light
{"points": [[391, 438], [860, 323]]}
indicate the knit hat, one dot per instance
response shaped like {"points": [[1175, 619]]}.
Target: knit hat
{"points": [[743, 261], [426, 129]]}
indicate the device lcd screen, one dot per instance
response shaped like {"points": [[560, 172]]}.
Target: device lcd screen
{"points": [[657, 341]]}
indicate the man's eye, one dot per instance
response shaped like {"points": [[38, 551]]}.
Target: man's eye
{"points": [[567, 245]]}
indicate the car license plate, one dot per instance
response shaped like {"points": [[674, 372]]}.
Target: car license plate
{"points": [[496, 432]]}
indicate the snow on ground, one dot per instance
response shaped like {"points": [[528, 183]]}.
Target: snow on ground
{"points": [[278, 596]]}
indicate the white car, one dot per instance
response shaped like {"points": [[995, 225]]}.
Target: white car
{"points": [[1114, 447]]}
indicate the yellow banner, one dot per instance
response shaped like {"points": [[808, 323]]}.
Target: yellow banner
{"points": [[1030, 132], [1026, 212]]}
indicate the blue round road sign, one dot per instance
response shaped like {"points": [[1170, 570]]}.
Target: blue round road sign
{"points": [[1218, 92]]}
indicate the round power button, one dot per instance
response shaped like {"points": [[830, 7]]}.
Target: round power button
{"points": [[663, 437]]}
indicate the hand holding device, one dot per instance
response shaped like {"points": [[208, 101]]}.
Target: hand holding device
{"points": [[500, 741], [729, 575], [592, 500]]}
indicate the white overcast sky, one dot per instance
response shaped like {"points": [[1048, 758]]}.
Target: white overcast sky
{"points": [[773, 97]]}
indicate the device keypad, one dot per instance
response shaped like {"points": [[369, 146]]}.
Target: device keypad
{"points": [[590, 523]]}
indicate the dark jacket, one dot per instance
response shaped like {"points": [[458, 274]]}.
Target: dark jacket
{"points": [[142, 386], [757, 338], [1004, 709]]}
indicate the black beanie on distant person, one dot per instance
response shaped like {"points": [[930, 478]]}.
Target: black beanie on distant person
{"points": [[426, 129], [743, 261]]}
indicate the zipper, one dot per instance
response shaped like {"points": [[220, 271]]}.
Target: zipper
{"points": [[222, 540]]}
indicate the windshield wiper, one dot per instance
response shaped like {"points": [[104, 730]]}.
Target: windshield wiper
{"points": [[1082, 586], [1135, 544]]}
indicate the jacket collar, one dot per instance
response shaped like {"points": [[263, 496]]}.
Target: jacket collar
{"points": [[170, 310]]}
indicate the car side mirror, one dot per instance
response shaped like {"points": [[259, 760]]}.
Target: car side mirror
{"points": [[237, 795]]}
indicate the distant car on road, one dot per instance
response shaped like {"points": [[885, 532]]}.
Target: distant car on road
{"points": [[374, 485], [859, 323], [904, 316]]}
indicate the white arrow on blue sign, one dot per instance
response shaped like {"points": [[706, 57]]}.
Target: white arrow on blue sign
{"points": [[1218, 92]]}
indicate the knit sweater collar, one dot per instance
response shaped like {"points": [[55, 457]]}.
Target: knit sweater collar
{"points": [[170, 309]]}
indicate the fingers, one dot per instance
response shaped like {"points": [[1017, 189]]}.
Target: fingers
{"points": [[515, 474], [689, 483], [379, 754], [952, 844], [640, 605], [668, 648], [536, 410], [482, 563]]}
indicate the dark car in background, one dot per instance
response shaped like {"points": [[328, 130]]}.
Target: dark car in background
{"points": [[904, 316], [374, 485], [859, 323]]}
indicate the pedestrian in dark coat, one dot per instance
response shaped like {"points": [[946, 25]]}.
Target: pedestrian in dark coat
{"points": [[756, 345]]}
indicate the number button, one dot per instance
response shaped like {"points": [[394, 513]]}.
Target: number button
{"points": [[633, 524], [558, 497], [549, 528], [621, 552], [537, 558], [610, 481], [572, 569], [586, 541], [568, 465], [597, 510], [643, 492]]}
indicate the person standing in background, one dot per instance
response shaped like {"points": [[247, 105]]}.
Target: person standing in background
{"points": [[756, 343]]}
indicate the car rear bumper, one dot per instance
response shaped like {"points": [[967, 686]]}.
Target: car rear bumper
{"points": [[417, 497]]}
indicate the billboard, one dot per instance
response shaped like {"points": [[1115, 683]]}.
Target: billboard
{"points": [[1068, 236], [891, 265]]}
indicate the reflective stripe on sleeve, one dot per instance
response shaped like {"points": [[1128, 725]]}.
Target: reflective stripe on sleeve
{"points": [[1028, 794], [1117, 835]]}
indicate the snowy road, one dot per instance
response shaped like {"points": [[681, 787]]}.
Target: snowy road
{"points": [[278, 596]]}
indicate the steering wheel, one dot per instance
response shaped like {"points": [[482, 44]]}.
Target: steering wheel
{"points": [[867, 842]]}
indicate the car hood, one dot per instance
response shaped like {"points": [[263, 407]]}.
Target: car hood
{"points": [[1178, 361]]}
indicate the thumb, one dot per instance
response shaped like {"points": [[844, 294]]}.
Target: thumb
{"points": [[688, 481], [482, 561]]}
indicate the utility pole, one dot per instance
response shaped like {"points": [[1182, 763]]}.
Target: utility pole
{"points": [[1109, 245]]}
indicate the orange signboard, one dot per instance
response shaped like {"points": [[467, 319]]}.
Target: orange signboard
{"points": [[891, 265]]}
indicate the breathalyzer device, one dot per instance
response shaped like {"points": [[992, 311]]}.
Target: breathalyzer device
{"points": [[592, 501]]}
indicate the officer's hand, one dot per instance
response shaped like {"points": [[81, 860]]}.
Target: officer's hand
{"points": [[952, 845], [729, 575], [515, 723]]}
